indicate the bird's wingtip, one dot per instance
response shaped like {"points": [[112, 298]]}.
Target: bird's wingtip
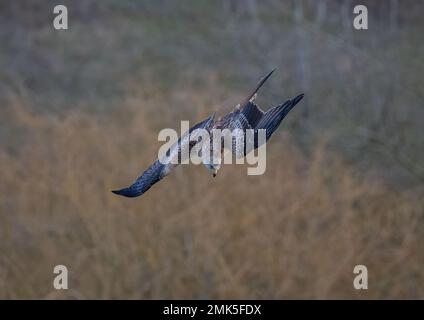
{"points": [[118, 192], [126, 192], [298, 98]]}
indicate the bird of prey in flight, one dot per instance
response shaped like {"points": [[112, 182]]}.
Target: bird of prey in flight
{"points": [[246, 115]]}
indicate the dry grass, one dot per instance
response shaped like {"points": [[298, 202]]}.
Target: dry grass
{"points": [[296, 232], [79, 115]]}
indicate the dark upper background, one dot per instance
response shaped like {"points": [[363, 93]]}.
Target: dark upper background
{"points": [[79, 115]]}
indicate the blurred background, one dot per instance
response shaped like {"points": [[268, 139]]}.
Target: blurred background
{"points": [[80, 110]]}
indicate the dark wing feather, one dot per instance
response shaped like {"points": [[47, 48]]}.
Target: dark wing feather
{"points": [[252, 113], [256, 119], [152, 175], [272, 118], [247, 114], [246, 100]]}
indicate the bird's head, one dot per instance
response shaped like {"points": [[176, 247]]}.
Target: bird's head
{"points": [[213, 166]]}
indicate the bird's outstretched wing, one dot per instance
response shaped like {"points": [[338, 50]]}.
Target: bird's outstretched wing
{"points": [[149, 177], [247, 115], [160, 168]]}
